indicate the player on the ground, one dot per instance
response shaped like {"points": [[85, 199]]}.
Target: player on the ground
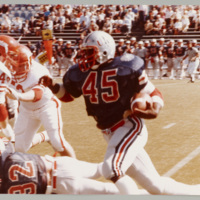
{"points": [[108, 86], [38, 106], [22, 173]]}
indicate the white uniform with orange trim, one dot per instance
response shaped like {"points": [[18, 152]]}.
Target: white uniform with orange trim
{"points": [[45, 110], [5, 78]]}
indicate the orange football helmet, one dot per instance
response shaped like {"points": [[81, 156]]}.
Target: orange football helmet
{"points": [[19, 62], [7, 44]]}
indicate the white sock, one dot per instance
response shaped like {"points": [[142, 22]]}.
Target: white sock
{"points": [[126, 185], [39, 138]]}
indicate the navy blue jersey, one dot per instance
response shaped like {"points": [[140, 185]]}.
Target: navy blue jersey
{"points": [[180, 51], [169, 51], [23, 174], [107, 90], [153, 50]]}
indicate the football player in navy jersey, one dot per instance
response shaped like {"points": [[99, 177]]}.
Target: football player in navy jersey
{"points": [[180, 51], [108, 85], [22, 173]]}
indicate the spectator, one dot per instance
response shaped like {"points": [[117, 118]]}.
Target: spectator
{"points": [[148, 27], [32, 24], [191, 15], [68, 17], [177, 28], [99, 20], [185, 23], [31, 46], [25, 28], [38, 26], [156, 28], [196, 21], [48, 24], [57, 24], [62, 20], [69, 54], [93, 27], [81, 27], [86, 18], [107, 26], [131, 16], [142, 9], [6, 24], [168, 16], [117, 25], [17, 25]]}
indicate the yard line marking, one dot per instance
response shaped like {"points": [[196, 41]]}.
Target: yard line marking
{"points": [[169, 125], [183, 162]]}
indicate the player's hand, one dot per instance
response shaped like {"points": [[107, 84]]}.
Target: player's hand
{"points": [[12, 94], [46, 81]]}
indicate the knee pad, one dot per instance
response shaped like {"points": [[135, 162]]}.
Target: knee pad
{"points": [[3, 113]]}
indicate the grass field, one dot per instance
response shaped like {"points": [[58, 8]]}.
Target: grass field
{"points": [[172, 136]]}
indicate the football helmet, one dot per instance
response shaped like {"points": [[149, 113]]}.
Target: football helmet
{"points": [[19, 62], [7, 44], [97, 48]]}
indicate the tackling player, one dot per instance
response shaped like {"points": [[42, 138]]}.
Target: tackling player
{"points": [[38, 106], [108, 85]]}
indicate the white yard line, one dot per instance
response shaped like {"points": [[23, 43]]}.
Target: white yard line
{"points": [[169, 125], [183, 162]]}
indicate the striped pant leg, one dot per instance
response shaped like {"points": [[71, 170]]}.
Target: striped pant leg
{"points": [[123, 146]]}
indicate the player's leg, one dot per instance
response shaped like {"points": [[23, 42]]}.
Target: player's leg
{"points": [[144, 172], [39, 138], [25, 129], [52, 122], [5, 126], [123, 146]]}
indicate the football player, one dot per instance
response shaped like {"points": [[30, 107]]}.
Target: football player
{"points": [[108, 85], [180, 50], [22, 173], [7, 107], [193, 60], [38, 106]]}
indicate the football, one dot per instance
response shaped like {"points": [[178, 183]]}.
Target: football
{"points": [[140, 101]]}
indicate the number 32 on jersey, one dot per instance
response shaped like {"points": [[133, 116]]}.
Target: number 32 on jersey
{"points": [[90, 89]]}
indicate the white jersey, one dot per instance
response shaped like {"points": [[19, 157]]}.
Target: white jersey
{"points": [[5, 78], [31, 83]]}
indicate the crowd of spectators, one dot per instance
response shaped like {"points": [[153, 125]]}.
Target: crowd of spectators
{"points": [[31, 19], [157, 20]]}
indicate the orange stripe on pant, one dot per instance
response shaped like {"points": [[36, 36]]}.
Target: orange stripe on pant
{"points": [[125, 146], [58, 113]]}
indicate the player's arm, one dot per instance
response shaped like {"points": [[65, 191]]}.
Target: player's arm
{"points": [[35, 94], [154, 107], [57, 88]]}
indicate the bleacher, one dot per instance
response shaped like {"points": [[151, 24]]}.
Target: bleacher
{"points": [[25, 11]]}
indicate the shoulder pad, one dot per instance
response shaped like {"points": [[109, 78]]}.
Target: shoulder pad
{"points": [[74, 73], [128, 64]]}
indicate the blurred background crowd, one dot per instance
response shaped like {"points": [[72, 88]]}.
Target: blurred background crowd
{"points": [[159, 22]]}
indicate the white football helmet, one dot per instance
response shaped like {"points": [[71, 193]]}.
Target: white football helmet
{"points": [[97, 48]]}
